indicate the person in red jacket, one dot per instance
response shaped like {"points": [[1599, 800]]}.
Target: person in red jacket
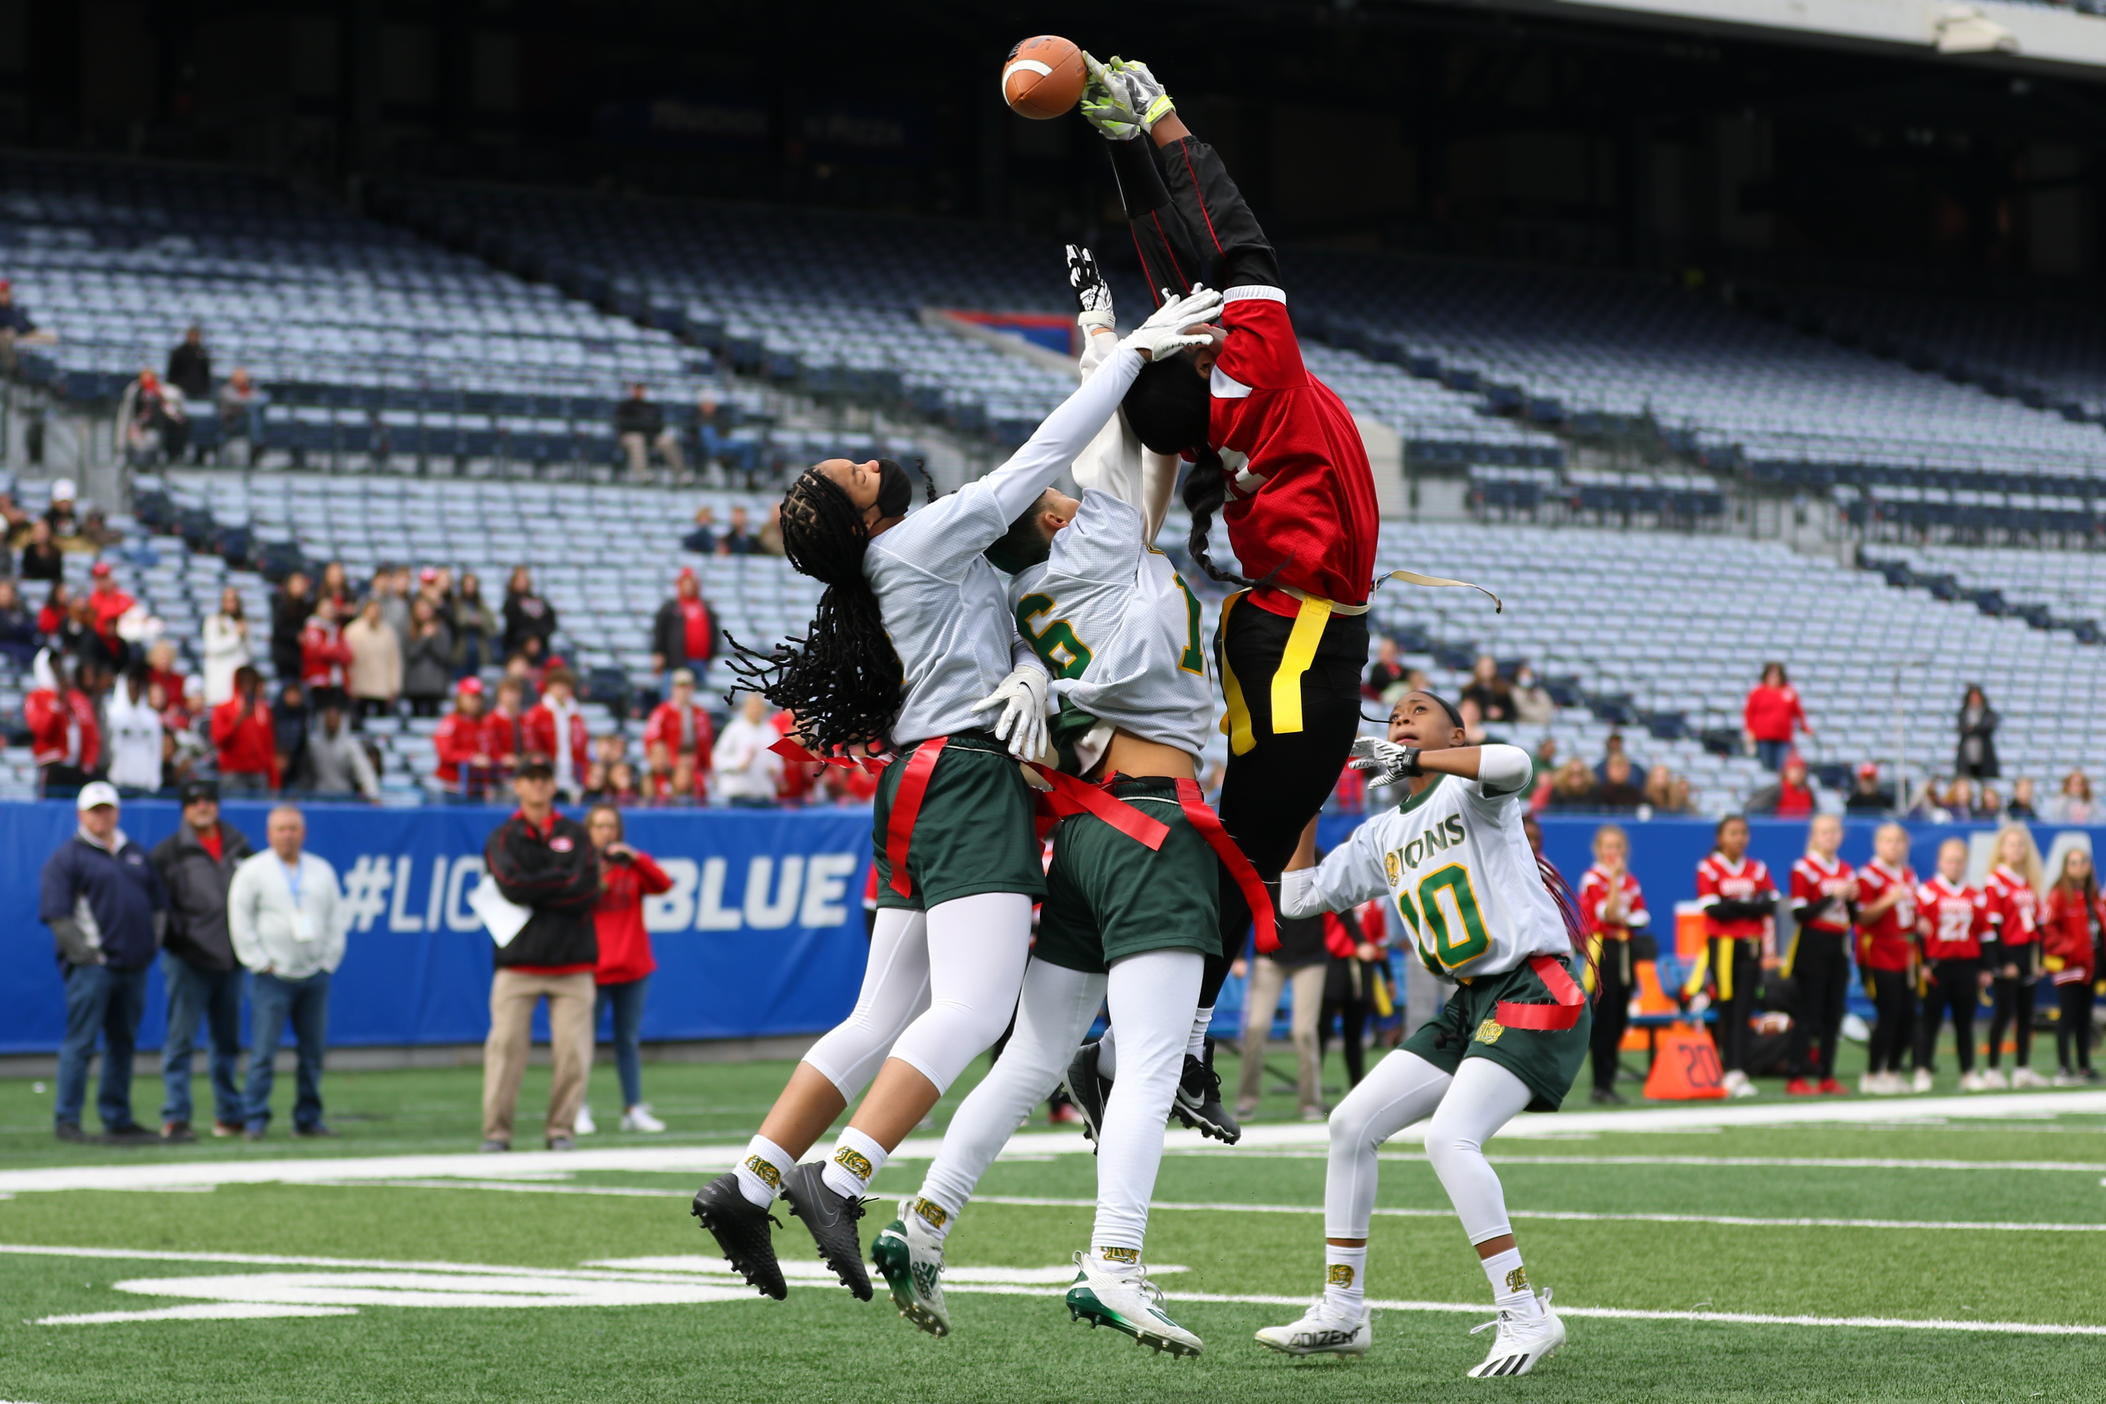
{"points": [[2014, 886], [1886, 953], [1739, 898], [1823, 893], [246, 738], [64, 736], [1772, 714], [627, 876], [504, 730], [462, 744], [109, 604], [324, 656], [1619, 940], [556, 729], [2076, 916], [1951, 918], [678, 740]]}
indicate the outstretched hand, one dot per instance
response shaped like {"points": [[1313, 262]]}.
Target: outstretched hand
{"points": [[1172, 326], [1093, 296]]}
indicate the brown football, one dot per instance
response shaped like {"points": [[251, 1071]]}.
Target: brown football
{"points": [[1043, 77]]}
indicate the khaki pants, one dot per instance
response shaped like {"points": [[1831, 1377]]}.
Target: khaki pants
{"points": [[1267, 978], [638, 449], [513, 994]]}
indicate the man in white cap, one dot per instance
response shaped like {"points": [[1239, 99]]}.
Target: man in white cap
{"points": [[104, 902], [61, 514]]}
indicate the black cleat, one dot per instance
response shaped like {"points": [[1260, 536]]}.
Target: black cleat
{"points": [[740, 1228], [1198, 1102], [1086, 1090], [831, 1218]]}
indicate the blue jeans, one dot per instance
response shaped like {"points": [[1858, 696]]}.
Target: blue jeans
{"points": [[215, 996], [626, 1000], [1772, 754], [306, 1004], [108, 1002]]}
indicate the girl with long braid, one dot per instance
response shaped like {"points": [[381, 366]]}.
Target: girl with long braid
{"points": [[912, 644]]}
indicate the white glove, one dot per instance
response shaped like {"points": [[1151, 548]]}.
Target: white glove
{"points": [[1164, 334], [1385, 762], [1022, 724], [1093, 296]]}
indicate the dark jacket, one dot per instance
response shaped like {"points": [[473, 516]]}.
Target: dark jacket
{"points": [[527, 616], [46, 562], [669, 634], [558, 875], [197, 895], [190, 371], [639, 417], [101, 905], [288, 617], [427, 663], [1976, 754]]}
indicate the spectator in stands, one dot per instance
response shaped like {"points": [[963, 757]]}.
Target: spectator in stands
{"points": [[287, 918], [540, 860], [2073, 803], [373, 677], [133, 726], [627, 876], [684, 635], [1989, 803], [1543, 766], [41, 558], [770, 535], [151, 422], [1531, 702], [65, 735], [14, 522], [474, 628], [530, 620], [325, 659], [462, 744], [334, 762], [1772, 715], [196, 864], [1385, 672], [62, 515], [427, 660], [1665, 791], [504, 734], [1472, 717], [289, 728], [335, 587], [1491, 692], [518, 670], [738, 538], [110, 603], [678, 743], [226, 646], [623, 785], [555, 730], [1612, 749], [190, 367], [1961, 799], [1977, 723], [639, 426], [608, 750], [714, 444], [1296, 968], [164, 673], [1574, 786], [18, 627], [703, 539], [2021, 805], [747, 770], [1619, 791], [241, 403], [16, 329], [94, 659], [1789, 796], [290, 608], [102, 900], [1867, 795], [246, 739]]}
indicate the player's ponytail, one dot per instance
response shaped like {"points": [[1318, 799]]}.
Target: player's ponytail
{"points": [[1205, 490]]}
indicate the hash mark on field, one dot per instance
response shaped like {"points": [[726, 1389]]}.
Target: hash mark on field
{"points": [[1759, 1162]]}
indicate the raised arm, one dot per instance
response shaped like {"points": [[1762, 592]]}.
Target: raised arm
{"points": [[1349, 875]]}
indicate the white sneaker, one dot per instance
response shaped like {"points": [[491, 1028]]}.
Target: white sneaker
{"points": [[1322, 1330], [1973, 1082], [2026, 1077], [1737, 1085], [1986, 1080], [1892, 1084], [911, 1259], [1122, 1297], [639, 1118], [2065, 1078], [1921, 1082], [1523, 1342], [583, 1124]]}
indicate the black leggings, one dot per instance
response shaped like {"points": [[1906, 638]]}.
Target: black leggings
{"points": [[1894, 1014], [1821, 969], [2014, 1000], [1613, 983], [1351, 1013], [1736, 966], [2073, 1030], [1953, 986], [1275, 787]]}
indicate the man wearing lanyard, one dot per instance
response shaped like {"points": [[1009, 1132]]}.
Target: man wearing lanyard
{"points": [[285, 913]]}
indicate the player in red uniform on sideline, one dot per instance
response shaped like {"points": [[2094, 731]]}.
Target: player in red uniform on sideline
{"points": [[1952, 918], [2076, 914], [1823, 889], [1739, 898], [1619, 940], [2013, 886], [1886, 953]]}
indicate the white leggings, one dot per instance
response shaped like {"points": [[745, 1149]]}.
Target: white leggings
{"points": [[895, 989], [1152, 1000], [1467, 1110]]}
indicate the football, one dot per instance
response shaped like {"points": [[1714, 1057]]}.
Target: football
{"points": [[1043, 77]]}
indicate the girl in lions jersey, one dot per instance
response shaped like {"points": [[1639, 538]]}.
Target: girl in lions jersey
{"points": [[1454, 864]]}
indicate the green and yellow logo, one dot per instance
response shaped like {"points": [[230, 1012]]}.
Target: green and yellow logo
{"points": [[1120, 1255], [1489, 1031], [854, 1162], [1517, 1280], [1339, 1275], [935, 1215], [769, 1175]]}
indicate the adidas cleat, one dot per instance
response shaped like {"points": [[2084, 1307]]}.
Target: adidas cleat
{"points": [[740, 1228], [830, 1218], [1198, 1102], [1523, 1342], [1086, 1090], [1322, 1330], [911, 1261], [1128, 1302]]}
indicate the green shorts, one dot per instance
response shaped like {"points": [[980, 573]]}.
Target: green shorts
{"points": [[1108, 896], [1546, 1060], [974, 833]]}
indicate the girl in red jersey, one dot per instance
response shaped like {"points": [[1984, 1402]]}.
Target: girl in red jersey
{"points": [[1823, 887], [1739, 898], [2076, 914], [2014, 887], [1952, 918], [1618, 927], [1886, 953]]}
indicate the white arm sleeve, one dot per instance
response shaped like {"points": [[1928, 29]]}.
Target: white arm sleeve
{"points": [[1502, 770], [1065, 433], [1116, 461], [1349, 875], [1022, 656]]}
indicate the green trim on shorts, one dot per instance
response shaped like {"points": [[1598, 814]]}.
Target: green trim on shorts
{"points": [[1546, 1060], [974, 834], [1108, 896]]}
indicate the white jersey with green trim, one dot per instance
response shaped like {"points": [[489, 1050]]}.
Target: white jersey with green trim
{"points": [[1456, 867]]}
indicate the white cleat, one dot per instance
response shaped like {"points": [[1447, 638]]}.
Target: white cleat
{"points": [[1737, 1085], [1974, 1082], [1123, 1298], [639, 1118], [910, 1258], [1986, 1080], [2026, 1077], [1921, 1082], [582, 1124], [1322, 1330], [1523, 1342]]}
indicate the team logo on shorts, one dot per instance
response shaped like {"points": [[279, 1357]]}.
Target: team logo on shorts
{"points": [[769, 1175], [1489, 1031], [1119, 1255], [1339, 1275], [1517, 1280], [854, 1162], [935, 1215]]}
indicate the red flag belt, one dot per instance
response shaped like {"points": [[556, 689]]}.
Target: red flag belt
{"points": [[1246, 877], [906, 808], [1563, 1014]]}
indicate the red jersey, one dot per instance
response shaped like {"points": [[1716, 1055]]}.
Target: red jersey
{"points": [[458, 741], [1886, 941], [247, 742], [1826, 887], [540, 729], [1301, 497], [1952, 919], [689, 735], [1594, 889], [1748, 880], [2013, 906], [1770, 713], [323, 654], [110, 606], [502, 735], [63, 730], [2066, 934], [617, 918]]}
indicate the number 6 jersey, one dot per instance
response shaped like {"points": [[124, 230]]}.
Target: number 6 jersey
{"points": [[1457, 869]]}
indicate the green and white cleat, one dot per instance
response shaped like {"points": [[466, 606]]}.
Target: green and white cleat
{"points": [[911, 1259], [1119, 1295], [1322, 1330]]}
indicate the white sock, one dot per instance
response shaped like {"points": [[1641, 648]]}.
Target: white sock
{"points": [[1116, 1260], [1201, 1022], [935, 1219], [1345, 1280], [854, 1163], [760, 1172], [1510, 1289], [1108, 1055]]}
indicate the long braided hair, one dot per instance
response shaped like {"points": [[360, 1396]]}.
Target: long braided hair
{"points": [[1205, 490], [842, 679]]}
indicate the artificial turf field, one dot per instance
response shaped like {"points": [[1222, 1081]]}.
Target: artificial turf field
{"points": [[1920, 1249]]}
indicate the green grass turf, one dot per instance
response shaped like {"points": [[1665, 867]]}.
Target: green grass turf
{"points": [[823, 1345]]}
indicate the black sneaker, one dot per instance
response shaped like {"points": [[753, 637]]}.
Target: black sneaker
{"points": [[831, 1218], [70, 1131], [1086, 1090], [1198, 1102], [1608, 1097], [130, 1134], [740, 1228], [177, 1132]]}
